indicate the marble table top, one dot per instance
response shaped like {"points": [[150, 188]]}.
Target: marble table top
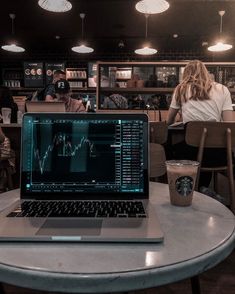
{"points": [[196, 238]]}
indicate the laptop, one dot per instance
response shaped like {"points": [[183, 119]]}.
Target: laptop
{"points": [[84, 178], [45, 106]]}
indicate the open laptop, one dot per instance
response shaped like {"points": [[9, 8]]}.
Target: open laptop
{"points": [[45, 106], [84, 178]]}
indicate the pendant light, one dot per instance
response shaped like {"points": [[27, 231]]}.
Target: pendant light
{"points": [[220, 46], [146, 50], [152, 6], [82, 48], [13, 47], [55, 5]]}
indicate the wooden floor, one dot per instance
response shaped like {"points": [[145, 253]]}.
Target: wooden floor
{"points": [[218, 280]]}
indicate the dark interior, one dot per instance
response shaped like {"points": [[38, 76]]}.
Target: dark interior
{"points": [[111, 23]]}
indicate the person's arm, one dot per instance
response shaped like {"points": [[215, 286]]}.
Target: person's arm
{"points": [[227, 115], [49, 98], [227, 110], [78, 106], [50, 93], [2, 136], [172, 112]]}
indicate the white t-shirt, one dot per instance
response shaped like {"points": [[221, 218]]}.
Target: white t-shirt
{"points": [[206, 110]]}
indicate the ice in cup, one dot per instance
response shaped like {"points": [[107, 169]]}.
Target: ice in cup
{"points": [[182, 175], [6, 115]]}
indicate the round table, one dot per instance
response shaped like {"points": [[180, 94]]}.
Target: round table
{"points": [[196, 238]]}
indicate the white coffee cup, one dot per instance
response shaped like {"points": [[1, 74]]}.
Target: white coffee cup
{"points": [[6, 115]]}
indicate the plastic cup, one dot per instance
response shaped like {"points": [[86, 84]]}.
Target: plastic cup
{"points": [[182, 175], [6, 115]]}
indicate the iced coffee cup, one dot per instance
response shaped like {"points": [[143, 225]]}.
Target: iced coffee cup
{"points": [[6, 115], [182, 175]]}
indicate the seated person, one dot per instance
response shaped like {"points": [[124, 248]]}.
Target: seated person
{"points": [[200, 99], [6, 100], [62, 90], [7, 163], [49, 93], [2, 136], [115, 101]]}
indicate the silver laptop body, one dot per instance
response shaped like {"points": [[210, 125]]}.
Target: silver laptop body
{"points": [[45, 106], [83, 159]]}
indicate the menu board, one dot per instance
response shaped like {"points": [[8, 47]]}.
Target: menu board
{"points": [[33, 74], [50, 67]]}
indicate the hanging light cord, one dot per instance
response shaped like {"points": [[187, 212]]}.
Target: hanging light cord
{"points": [[221, 13], [146, 25], [12, 26], [82, 15], [221, 24], [82, 28], [12, 17]]}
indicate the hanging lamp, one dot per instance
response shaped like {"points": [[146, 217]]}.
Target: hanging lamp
{"points": [[55, 5], [82, 48], [220, 46], [146, 50], [152, 6], [13, 47]]}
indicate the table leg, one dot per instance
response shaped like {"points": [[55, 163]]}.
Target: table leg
{"points": [[1, 288], [195, 285]]}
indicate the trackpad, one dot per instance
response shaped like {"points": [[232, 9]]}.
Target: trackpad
{"points": [[70, 227]]}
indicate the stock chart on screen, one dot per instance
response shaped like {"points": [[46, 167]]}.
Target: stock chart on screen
{"points": [[76, 155]]}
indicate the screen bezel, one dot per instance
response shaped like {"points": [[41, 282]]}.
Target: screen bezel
{"points": [[77, 196]]}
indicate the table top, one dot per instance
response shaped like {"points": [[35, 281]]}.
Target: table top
{"points": [[196, 238]]}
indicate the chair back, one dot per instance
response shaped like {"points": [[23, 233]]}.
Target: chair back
{"points": [[157, 161], [158, 132], [213, 133]]}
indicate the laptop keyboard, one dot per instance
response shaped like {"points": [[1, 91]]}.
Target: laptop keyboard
{"points": [[79, 209]]}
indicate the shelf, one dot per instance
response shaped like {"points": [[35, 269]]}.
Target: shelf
{"points": [[83, 89], [76, 79], [35, 89], [25, 89], [122, 79], [138, 90]]}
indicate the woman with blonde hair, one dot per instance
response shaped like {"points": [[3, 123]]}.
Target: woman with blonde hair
{"points": [[199, 97]]}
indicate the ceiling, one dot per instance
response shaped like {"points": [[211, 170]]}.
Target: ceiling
{"points": [[108, 22]]}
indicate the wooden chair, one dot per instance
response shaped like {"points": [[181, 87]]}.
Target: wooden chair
{"points": [[158, 136], [158, 132], [214, 135]]}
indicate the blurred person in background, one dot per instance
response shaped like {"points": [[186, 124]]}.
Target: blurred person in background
{"points": [[62, 90], [2, 136], [200, 98], [49, 92], [7, 101]]}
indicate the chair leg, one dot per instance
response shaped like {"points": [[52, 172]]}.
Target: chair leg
{"points": [[215, 179], [195, 285], [232, 190], [230, 170], [2, 291], [10, 182]]}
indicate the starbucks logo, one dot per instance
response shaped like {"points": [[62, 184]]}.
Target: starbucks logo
{"points": [[184, 185]]}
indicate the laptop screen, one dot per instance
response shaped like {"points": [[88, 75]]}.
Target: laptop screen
{"points": [[67, 155]]}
